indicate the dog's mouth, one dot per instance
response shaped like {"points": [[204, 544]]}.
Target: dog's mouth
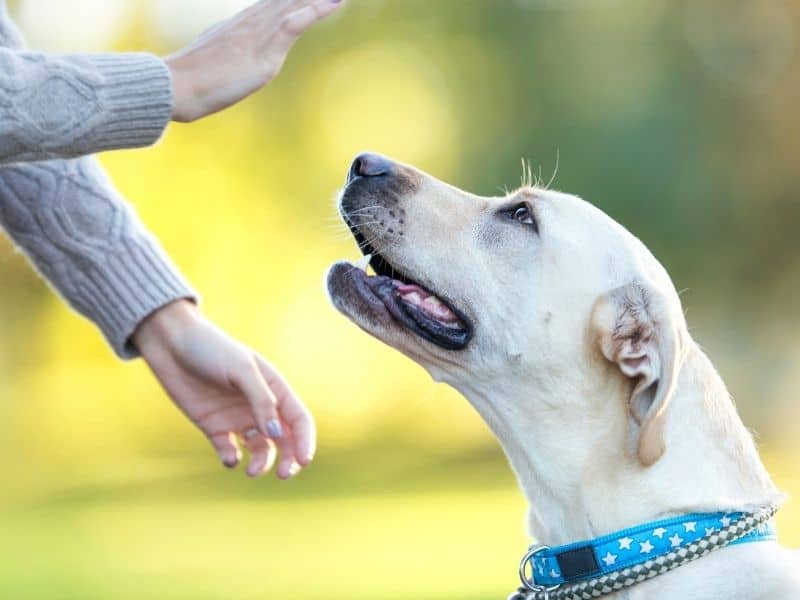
{"points": [[412, 305]]}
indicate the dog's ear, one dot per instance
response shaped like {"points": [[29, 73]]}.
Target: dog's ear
{"points": [[638, 331]]}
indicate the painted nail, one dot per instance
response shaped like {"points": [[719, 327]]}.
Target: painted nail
{"points": [[274, 429]]}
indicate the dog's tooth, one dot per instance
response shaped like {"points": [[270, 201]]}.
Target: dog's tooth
{"points": [[363, 262], [439, 310], [413, 298]]}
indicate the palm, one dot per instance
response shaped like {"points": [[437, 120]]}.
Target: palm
{"points": [[215, 407]]}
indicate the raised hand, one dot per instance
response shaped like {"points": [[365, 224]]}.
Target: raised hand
{"points": [[239, 56]]}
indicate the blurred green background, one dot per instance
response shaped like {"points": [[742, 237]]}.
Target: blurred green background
{"points": [[678, 118]]}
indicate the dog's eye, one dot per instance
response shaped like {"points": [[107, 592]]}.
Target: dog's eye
{"points": [[523, 215]]}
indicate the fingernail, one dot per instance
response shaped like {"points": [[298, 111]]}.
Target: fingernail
{"points": [[230, 460], [274, 429]]}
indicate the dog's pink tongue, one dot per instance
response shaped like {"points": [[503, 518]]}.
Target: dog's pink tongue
{"points": [[427, 302]]}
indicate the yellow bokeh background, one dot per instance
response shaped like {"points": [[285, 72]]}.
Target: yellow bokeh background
{"points": [[108, 493]]}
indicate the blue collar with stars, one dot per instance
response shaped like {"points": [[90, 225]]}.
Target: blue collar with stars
{"points": [[630, 547]]}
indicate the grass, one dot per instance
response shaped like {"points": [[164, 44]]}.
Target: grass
{"points": [[428, 545], [422, 526]]}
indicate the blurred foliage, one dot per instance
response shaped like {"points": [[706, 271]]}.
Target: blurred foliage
{"points": [[677, 118]]}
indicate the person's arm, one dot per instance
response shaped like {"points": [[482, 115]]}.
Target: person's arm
{"points": [[64, 106], [87, 242], [90, 246], [82, 236]]}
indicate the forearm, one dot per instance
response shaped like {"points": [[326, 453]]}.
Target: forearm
{"points": [[63, 106], [89, 245]]}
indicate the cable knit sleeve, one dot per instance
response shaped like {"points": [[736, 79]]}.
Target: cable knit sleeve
{"points": [[63, 106], [88, 243], [65, 215]]}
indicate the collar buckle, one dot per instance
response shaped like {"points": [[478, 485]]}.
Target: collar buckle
{"points": [[530, 583]]}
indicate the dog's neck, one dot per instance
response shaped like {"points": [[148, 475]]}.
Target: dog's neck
{"points": [[573, 451]]}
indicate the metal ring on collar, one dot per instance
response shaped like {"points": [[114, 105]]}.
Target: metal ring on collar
{"points": [[531, 583]]}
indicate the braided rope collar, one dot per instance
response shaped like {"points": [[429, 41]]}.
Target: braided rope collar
{"points": [[596, 568]]}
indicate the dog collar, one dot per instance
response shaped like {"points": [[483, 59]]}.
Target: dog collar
{"points": [[626, 557]]}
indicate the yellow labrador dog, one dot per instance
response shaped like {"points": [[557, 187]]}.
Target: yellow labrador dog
{"points": [[568, 337]]}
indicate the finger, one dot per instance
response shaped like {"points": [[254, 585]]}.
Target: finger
{"points": [[288, 466], [263, 9], [297, 22], [227, 449], [266, 9], [262, 452], [249, 380], [293, 413]]}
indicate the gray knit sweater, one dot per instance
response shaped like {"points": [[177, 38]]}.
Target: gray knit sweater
{"points": [[63, 212]]}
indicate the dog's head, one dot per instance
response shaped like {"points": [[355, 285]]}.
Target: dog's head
{"points": [[536, 289]]}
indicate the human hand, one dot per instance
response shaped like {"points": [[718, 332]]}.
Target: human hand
{"points": [[239, 56], [227, 390]]}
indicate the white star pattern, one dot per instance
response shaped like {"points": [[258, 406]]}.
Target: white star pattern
{"points": [[659, 533], [647, 546], [609, 559]]}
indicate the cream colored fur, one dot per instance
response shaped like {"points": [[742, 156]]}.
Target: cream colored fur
{"points": [[583, 367]]}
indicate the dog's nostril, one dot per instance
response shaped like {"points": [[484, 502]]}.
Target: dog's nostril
{"points": [[370, 165], [356, 169]]}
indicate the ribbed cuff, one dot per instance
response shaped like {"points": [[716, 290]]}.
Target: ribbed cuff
{"points": [[129, 286], [136, 93]]}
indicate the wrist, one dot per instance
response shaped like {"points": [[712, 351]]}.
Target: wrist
{"points": [[181, 91], [160, 328]]}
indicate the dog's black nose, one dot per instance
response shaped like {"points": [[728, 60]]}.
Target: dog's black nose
{"points": [[369, 165]]}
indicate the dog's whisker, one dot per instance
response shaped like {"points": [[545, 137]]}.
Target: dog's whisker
{"points": [[555, 170], [362, 210], [523, 180], [361, 223]]}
